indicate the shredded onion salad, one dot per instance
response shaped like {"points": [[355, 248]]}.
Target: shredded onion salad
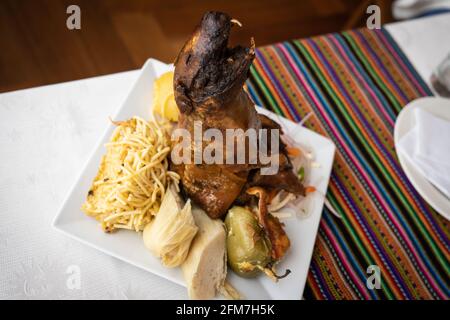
{"points": [[287, 205], [133, 176]]}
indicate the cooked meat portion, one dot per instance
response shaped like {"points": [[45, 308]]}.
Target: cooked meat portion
{"points": [[208, 87], [211, 186], [267, 123], [273, 228], [208, 75], [285, 179], [208, 83]]}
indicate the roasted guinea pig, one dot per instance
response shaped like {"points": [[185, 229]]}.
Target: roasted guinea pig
{"points": [[208, 88]]}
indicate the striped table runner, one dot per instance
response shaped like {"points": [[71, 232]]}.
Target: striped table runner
{"points": [[355, 84]]}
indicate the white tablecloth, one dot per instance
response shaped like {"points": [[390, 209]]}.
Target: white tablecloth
{"points": [[47, 134]]}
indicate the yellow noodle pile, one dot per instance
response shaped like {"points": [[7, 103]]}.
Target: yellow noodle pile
{"points": [[133, 176]]}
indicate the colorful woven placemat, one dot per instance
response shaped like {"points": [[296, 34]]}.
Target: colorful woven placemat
{"points": [[355, 84]]}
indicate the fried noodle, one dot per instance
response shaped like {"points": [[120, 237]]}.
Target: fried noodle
{"points": [[133, 176]]}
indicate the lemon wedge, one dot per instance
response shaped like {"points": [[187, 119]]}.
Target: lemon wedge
{"points": [[164, 101]]}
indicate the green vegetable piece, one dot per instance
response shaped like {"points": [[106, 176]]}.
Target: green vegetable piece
{"points": [[247, 247]]}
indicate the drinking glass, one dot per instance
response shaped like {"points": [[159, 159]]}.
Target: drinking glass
{"points": [[440, 79]]}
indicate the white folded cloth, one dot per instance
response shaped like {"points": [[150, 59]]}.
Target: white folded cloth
{"points": [[427, 146]]}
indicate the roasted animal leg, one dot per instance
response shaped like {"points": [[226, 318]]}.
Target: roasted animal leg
{"points": [[208, 86]]}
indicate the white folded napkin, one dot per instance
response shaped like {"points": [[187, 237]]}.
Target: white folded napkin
{"points": [[427, 146]]}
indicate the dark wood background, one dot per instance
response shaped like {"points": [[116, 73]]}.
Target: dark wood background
{"points": [[36, 48]]}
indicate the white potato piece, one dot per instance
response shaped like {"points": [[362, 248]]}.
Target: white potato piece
{"points": [[205, 267]]}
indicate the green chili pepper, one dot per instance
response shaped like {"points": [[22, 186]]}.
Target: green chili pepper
{"points": [[247, 247]]}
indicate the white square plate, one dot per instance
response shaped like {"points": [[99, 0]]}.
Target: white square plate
{"points": [[128, 246]]}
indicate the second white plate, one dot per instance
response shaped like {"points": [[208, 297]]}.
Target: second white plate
{"points": [[439, 107]]}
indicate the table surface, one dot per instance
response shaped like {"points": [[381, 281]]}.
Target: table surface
{"points": [[48, 134]]}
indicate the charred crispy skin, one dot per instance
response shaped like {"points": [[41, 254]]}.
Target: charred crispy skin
{"points": [[209, 76], [208, 86], [272, 227]]}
